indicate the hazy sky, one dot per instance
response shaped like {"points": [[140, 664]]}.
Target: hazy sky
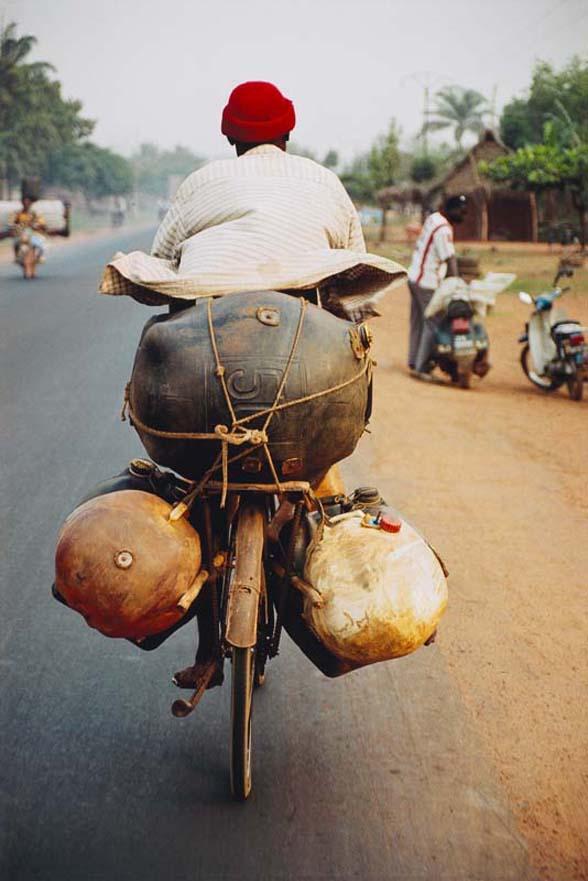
{"points": [[150, 70]]}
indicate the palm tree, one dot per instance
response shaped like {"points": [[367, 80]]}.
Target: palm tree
{"points": [[13, 49], [16, 79], [460, 109]]}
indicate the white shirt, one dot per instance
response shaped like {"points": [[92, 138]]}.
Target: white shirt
{"points": [[259, 206], [433, 248], [264, 220]]}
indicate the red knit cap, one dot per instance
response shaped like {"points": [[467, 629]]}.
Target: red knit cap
{"points": [[257, 112]]}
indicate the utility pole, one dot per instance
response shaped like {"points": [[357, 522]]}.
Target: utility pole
{"points": [[425, 130], [427, 79], [493, 114]]}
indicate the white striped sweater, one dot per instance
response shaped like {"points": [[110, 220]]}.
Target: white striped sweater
{"points": [[264, 220]]}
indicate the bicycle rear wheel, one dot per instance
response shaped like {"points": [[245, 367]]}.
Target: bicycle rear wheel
{"points": [[242, 678], [245, 601]]}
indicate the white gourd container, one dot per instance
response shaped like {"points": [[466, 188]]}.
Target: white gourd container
{"points": [[377, 595]]}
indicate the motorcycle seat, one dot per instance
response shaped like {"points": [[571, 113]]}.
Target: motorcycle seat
{"points": [[564, 328]]}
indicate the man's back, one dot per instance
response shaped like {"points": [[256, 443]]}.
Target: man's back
{"points": [[265, 220], [263, 205]]}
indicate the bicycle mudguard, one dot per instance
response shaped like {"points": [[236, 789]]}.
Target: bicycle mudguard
{"points": [[247, 581]]}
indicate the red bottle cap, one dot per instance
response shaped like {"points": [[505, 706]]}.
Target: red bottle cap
{"points": [[389, 525]]}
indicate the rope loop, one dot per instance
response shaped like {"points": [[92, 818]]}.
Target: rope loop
{"points": [[240, 435]]}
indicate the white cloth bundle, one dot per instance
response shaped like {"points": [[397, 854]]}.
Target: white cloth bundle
{"points": [[481, 292]]}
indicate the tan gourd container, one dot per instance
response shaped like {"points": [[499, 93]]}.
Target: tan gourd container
{"points": [[128, 569], [377, 595]]}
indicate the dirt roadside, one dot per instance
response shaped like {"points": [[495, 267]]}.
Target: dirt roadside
{"points": [[496, 477]]}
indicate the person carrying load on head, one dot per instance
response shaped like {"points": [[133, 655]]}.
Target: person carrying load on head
{"points": [[433, 260]]}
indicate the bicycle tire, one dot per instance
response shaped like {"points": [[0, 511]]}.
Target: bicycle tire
{"points": [[242, 679]]}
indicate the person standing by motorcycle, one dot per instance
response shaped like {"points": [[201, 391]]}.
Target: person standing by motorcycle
{"points": [[433, 260]]}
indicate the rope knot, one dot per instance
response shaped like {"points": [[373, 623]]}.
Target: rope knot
{"points": [[240, 435], [258, 436]]}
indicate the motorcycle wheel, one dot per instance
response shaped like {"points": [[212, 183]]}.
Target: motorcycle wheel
{"points": [[545, 383], [464, 379], [242, 680], [575, 387]]}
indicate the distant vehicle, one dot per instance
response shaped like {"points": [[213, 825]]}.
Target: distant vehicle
{"points": [[118, 211], [554, 351]]}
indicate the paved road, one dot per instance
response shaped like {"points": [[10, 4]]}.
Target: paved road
{"points": [[376, 776]]}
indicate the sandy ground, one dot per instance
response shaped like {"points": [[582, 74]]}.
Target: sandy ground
{"points": [[496, 477]]}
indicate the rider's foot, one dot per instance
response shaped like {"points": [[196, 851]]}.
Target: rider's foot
{"points": [[191, 677]]}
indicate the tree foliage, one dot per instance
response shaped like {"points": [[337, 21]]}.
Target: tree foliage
{"points": [[548, 165], [153, 167], [93, 170], [331, 159], [384, 159], [356, 179], [44, 134], [422, 168], [35, 119], [554, 96], [461, 109], [370, 172]]}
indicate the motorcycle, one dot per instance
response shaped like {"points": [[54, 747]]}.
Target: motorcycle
{"points": [[30, 235], [461, 344], [554, 349], [461, 341], [29, 248]]}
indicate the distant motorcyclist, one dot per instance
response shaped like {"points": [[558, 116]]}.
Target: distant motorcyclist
{"points": [[29, 230], [433, 260], [27, 227]]}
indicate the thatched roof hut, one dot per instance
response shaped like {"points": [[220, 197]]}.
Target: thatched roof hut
{"points": [[494, 213], [401, 195]]}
